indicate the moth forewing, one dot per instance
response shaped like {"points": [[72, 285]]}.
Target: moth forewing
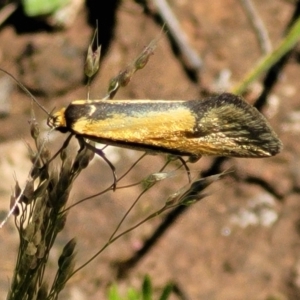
{"points": [[229, 125], [224, 125]]}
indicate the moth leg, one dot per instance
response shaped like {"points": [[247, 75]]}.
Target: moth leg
{"points": [[82, 144], [188, 171], [64, 146], [99, 152]]}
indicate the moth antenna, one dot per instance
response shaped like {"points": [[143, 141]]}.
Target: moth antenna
{"points": [[17, 201], [22, 86]]}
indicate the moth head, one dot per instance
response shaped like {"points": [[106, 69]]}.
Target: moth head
{"points": [[57, 121]]}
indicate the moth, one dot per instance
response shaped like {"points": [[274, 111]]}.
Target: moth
{"points": [[223, 125]]}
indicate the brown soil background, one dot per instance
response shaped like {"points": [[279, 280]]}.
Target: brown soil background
{"points": [[221, 248]]}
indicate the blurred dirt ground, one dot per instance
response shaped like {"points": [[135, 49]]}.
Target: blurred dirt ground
{"points": [[240, 242]]}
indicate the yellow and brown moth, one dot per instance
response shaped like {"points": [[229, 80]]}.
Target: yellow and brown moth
{"points": [[223, 125]]}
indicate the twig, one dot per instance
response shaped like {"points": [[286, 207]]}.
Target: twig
{"points": [[269, 60], [275, 71], [7, 11], [189, 55], [258, 25]]}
